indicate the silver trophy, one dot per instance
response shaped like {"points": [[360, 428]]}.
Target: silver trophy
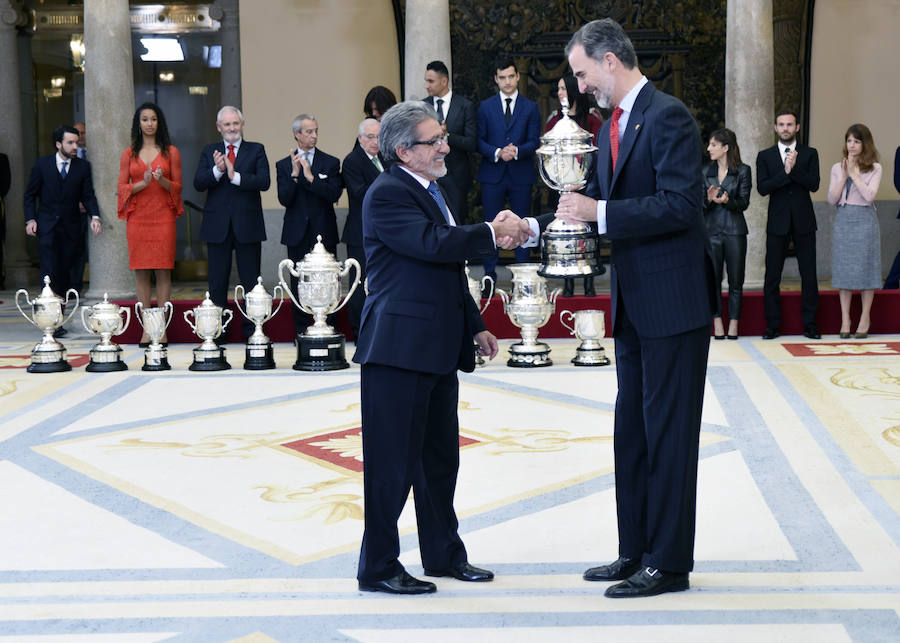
{"points": [[589, 327], [105, 319], [475, 288], [209, 325], [564, 161], [529, 307], [155, 321], [319, 276], [258, 309], [47, 310]]}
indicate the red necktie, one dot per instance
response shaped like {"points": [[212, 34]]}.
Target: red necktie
{"points": [[614, 136], [231, 154]]}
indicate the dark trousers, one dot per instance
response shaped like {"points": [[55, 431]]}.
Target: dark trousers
{"points": [[355, 305], [893, 279], [248, 256], [776, 251], [656, 440], [59, 250], [494, 197], [729, 251], [295, 254], [413, 443], [81, 260]]}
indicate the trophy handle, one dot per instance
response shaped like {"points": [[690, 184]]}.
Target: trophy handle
{"points": [[275, 291], [189, 312], [230, 314], [553, 295], [489, 279], [570, 314], [127, 318], [22, 291], [84, 321], [236, 304], [66, 303], [171, 308], [504, 297], [351, 262], [289, 264], [139, 314]]}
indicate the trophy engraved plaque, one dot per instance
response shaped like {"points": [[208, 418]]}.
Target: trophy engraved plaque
{"points": [[47, 310], [589, 327], [105, 319], [529, 307], [257, 308], [208, 326], [475, 288], [155, 321]]}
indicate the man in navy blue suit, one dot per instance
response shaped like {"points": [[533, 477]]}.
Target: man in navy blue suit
{"points": [[509, 130], [418, 324], [647, 197], [233, 172]]}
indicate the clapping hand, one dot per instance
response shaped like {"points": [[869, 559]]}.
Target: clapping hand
{"points": [[219, 160], [510, 231], [157, 173], [148, 176], [716, 195], [790, 159]]}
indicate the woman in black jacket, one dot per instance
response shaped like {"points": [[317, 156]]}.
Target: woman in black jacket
{"points": [[727, 182]]}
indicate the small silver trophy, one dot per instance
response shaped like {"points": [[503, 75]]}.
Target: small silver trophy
{"points": [[105, 319], [589, 327], [564, 162], [155, 321], [47, 310], [258, 309], [475, 288], [319, 277], [209, 325], [529, 307]]}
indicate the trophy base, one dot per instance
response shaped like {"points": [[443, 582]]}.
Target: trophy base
{"points": [[320, 353], [49, 357], [49, 367], [156, 358], [259, 357], [557, 268], [106, 358], [590, 357], [532, 356], [208, 359], [105, 367]]}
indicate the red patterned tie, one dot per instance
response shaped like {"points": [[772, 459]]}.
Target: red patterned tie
{"points": [[231, 154], [614, 136]]}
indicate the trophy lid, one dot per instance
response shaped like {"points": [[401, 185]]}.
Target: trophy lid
{"points": [[207, 302], [105, 305], [566, 136], [319, 259], [47, 293], [259, 291]]}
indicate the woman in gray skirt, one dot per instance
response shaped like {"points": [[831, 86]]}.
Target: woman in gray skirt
{"points": [[856, 244]]}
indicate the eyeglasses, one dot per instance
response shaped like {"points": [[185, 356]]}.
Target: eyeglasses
{"points": [[435, 142], [370, 136]]}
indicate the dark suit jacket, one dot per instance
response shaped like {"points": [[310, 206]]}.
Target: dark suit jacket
{"points": [[310, 205], [897, 173], [59, 198], [790, 206], [5, 177], [241, 206], [524, 131], [462, 131], [418, 314], [359, 173]]}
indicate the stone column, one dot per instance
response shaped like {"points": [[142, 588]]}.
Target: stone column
{"points": [[109, 107], [750, 109], [226, 12], [11, 144], [427, 39]]}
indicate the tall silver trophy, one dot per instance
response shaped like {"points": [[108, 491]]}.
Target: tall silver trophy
{"points": [[529, 307], [565, 158], [475, 288], [589, 327], [258, 309], [319, 276], [47, 310], [105, 319], [208, 325], [155, 321]]}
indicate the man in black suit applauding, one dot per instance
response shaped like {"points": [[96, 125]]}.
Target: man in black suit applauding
{"points": [[457, 116], [309, 182], [788, 172], [233, 172]]}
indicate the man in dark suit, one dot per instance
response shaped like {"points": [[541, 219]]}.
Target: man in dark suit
{"points": [[417, 329], [457, 116], [233, 172], [60, 182], [309, 182], [360, 169], [77, 276], [788, 172], [649, 191], [892, 281], [509, 129]]}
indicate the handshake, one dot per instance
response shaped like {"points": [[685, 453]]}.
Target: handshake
{"points": [[510, 231]]}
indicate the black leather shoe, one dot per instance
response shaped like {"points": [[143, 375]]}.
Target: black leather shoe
{"points": [[812, 332], [771, 333], [402, 583], [463, 571], [568, 288], [620, 569], [589, 287], [718, 336], [731, 336], [648, 582], [60, 332]]}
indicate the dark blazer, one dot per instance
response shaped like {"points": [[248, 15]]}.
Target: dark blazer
{"points": [[310, 205], [897, 173], [418, 314], [226, 203], [58, 197], [790, 206], [524, 131], [5, 177], [727, 218], [462, 132], [359, 173]]}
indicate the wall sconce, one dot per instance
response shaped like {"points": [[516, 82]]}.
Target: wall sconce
{"points": [[58, 82], [166, 76], [76, 44]]}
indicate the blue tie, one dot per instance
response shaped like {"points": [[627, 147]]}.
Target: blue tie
{"points": [[439, 199], [63, 171]]}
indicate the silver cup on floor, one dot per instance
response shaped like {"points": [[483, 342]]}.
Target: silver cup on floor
{"points": [[589, 327], [475, 289], [209, 325], [155, 320], [259, 354], [529, 307], [47, 310], [105, 320]]}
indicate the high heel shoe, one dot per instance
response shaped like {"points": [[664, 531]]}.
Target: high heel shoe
{"points": [[845, 335], [860, 335]]}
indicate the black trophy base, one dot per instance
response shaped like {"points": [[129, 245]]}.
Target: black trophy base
{"points": [[156, 358], [320, 353], [49, 367], [209, 360], [536, 355], [259, 357], [106, 367]]}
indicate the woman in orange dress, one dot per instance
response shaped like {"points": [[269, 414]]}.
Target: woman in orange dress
{"points": [[150, 201]]}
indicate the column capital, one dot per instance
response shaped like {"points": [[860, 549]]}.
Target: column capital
{"points": [[12, 14]]}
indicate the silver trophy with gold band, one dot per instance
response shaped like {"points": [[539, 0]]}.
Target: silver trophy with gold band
{"points": [[589, 327], [529, 307], [475, 289], [105, 319], [47, 313]]}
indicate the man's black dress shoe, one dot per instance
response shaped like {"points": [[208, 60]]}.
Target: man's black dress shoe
{"points": [[812, 332], [60, 332], [463, 571], [620, 569], [402, 583], [568, 287], [589, 287], [649, 582], [771, 333]]}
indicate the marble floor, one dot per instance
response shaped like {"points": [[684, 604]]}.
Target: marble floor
{"points": [[227, 506]]}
